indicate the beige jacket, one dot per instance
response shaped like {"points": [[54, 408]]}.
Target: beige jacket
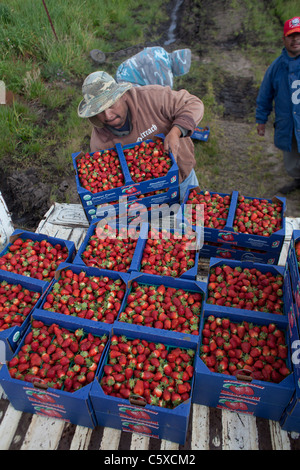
{"points": [[155, 110]]}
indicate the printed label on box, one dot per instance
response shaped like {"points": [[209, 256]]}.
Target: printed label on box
{"points": [[137, 413], [234, 404], [242, 389]]}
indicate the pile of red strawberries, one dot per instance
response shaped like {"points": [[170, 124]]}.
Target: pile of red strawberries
{"points": [[147, 160], [16, 303], [167, 253], [215, 208], [96, 298], [62, 359], [161, 375], [100, 171], [33, 258], [257, 216], [245, 288], [231, 348], [163, 307], [110, 248]]}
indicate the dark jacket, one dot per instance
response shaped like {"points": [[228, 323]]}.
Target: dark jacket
{"points": [[281, 84]]}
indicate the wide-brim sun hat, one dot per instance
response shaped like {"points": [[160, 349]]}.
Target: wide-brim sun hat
{"points": [[100, 91]]}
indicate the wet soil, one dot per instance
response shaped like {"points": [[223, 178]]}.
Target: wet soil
{"points": [[216, 35]]}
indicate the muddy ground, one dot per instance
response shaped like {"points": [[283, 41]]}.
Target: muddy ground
{"points": [[215, 33]]}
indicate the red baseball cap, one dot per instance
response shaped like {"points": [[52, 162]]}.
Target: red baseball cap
{"points": [[292, 26]]}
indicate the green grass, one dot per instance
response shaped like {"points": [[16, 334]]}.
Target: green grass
{"points": [[45, 73]]}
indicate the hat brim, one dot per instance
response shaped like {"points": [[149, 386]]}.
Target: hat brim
{"points": [[90, 108], [291, 31]]}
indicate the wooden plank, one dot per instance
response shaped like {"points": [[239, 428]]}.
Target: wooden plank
{"points": [[43, 434], [110, 439], [200, 427], [9, 426], [81, 438], [239, 431], [6, 226]]}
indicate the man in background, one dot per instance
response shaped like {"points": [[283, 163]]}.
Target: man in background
{"points": [[281, 84]]}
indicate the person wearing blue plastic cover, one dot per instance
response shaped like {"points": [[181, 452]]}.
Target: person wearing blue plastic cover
{"points": [[281, 84], [154, 66]]}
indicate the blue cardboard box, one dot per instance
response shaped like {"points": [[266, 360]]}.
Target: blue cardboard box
{"points": [[293, 266], [165, 423], [24, 235], [290, 419], [178, 233], [228, 234], [82, 320], [189, 286], [37, 397], [93, 232], [241, 392], [201, 133], [133, 206], [130, 188], [226, 251], [11, 337], [263, 268]]}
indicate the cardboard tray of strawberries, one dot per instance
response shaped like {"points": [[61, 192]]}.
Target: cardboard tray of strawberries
{"points": [[163, 303], [131, 170], [108, 246], [244, 365], [139, 388], [168, 251], [35, 255], [19, 297], [242, 221], [53, 368], [85, 294], [248, 289]]}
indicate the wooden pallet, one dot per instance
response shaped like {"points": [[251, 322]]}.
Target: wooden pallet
{"points": [[209, 428]]}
